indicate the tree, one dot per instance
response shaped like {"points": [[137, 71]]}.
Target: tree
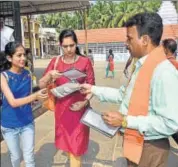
{"points": [[97, 15], [102, 14], [112, 13], [129, 8]]}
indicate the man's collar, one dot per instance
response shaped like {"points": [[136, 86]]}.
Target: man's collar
{"points": [[140, 61], [171, 57]]}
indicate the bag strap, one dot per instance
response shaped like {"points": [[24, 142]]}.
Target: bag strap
{"points": [[6, 76], [31, 75], [56, 62]]}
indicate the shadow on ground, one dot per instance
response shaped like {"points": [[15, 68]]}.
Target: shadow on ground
{"points": [[45, 157]]}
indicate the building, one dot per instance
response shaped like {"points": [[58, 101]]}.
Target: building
{"points": [[33, 36], [101, 40], [48, 42]]}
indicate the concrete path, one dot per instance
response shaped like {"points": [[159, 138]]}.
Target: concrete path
{"points": [[102, 152]]}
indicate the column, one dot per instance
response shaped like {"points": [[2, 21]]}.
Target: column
{"points": [[22, 32], [42, 53], [34, 40], [46, 44], [16, 17]]}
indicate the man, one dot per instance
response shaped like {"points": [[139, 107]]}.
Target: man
{"points": [[170, 47], [6, 34], [148, 110]]}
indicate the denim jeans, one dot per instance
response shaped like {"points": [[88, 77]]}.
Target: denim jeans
{"points": [[16, 137]]}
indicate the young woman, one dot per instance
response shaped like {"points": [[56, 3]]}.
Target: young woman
{"points": [[70, 135], [110, 64], [17, 124]]}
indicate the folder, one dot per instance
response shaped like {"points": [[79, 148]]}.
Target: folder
{"points": [[94, 120]]}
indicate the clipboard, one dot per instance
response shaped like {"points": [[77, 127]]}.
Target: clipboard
{"points": [[94, 120]]}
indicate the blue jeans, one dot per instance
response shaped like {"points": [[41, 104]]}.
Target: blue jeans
{"points": [[24, 136]]}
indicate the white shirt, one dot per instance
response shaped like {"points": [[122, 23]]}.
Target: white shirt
{"points": [[6, 36]]}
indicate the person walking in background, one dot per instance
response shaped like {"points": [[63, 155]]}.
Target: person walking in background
{"points": [[110, 64], [17, 124], [71, 136], [90, 56], [170, 47]]}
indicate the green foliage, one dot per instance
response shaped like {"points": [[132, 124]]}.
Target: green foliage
{"points": [[102, 14]]}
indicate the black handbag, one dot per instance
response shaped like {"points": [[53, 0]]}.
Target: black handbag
{"points": [[175, 137]]}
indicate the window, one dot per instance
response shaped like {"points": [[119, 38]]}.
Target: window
{"points": [[26, 35], [36, 36]]}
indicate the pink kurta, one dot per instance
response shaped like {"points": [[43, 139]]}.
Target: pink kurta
{"points": [[70, 135]]}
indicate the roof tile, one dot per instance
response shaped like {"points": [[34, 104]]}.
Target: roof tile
{"points": [[118, 34]]}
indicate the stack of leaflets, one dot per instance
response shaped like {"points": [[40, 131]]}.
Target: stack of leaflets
{"points": [[70, 87]]}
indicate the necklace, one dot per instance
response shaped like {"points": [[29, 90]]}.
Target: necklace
{"points": [[72, 64], [72, 67]]}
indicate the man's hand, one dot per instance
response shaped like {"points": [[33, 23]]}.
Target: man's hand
{"points": [[113, 118], [85, 88]]}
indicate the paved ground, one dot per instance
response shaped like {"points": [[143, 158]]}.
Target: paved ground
{"points": [[103, 151]]}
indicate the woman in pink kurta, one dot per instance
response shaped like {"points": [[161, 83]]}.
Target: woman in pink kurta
{"points": [[70, 135]]}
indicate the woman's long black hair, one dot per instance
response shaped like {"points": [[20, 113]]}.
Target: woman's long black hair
{"points": [[70, 33], [10, 49]]}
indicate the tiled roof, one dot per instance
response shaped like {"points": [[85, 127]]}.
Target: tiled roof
{"points": [[118, 34], [170, 31]]}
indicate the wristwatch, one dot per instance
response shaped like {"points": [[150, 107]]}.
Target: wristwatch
{"points": [[124, 122]]}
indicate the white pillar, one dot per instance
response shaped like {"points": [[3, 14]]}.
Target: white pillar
{"points": [[34, 44], [46, 44], [34, 39], [22, 32], [42, 53]]}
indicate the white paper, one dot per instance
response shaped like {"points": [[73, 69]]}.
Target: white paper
{"points": [[65, 89], [74, 74]]}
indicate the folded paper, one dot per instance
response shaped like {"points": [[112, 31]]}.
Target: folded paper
{"points": [[65, 89], [73, 74]]}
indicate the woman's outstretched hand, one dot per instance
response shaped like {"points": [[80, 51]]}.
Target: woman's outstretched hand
{"points": [[42, 94], [78, 105], [54, 74]]}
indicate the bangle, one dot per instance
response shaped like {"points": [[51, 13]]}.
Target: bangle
{"points": [[124, 122]]}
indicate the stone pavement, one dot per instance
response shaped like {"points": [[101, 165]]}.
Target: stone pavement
{"points": [[102, 152]]}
